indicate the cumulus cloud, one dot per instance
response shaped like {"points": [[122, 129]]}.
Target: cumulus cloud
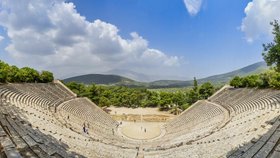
{"points": [[53, 35], [259, 13], [193, 6]]}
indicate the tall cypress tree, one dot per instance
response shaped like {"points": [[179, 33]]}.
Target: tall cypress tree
{"points": [[195, 85]]}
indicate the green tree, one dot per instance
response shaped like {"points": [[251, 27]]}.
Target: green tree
{"points": [[4, 69], [251, 81], [46, 76], [274, 80], [236, 82], [206, 90], [195, 84], [27, 74], [77, 88], [136, 97], [178, 98], [152, 100], [12, 75], [264, 80], [192, 96], [271, 53], [103, 101], [165, 101]]}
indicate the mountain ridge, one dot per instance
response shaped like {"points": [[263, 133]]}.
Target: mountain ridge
{"points": [[98, 79], [109, 79]]}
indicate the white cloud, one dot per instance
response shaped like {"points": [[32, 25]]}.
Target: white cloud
{"points": [[193, 6], [259, 13], [53, 35], [1, 38]]}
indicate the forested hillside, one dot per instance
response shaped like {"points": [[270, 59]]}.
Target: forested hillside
{"points": [[99, 79]]}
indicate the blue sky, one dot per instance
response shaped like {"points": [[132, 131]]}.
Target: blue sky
{"points": [[172, 39], [209, 38]]}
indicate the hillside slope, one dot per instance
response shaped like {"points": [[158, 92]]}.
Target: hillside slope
{"points": [[248, 70], [123, 81], [99, 79]]}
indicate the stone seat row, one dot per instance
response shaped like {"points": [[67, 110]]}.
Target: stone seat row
{"points": [[19, 139]]}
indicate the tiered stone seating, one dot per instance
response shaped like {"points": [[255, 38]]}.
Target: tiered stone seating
{"points": [[45, 95], [251, 131], [196, 122], [88, 111], [33, 109], [196, 115], [78, 141], [19, 139], [46, 120], [243, 99], [263, 146], [80, 111]]}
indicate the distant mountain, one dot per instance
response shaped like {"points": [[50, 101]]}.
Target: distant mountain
{"points": [[99, 79], [216, 79], [130, 74], [248, 70], [140, 76], [124, 81]]}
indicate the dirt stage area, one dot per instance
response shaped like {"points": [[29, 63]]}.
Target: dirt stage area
{"points": [[141, 130], [139, 114], [140, 123]]}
